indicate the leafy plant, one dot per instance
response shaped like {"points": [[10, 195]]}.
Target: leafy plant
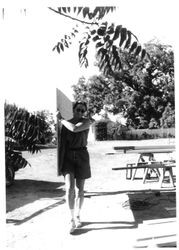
{"points": [[108, 38], [23, 130]]}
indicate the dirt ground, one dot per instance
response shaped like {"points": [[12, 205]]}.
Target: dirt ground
{"points": [[140, 215]]}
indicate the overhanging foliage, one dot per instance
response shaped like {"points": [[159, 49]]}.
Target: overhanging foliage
{"points": [[108, 38]]}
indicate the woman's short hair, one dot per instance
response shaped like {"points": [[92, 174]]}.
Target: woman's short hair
{"points": [[81, 103]]}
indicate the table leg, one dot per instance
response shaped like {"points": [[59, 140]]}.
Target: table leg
{"points": [[129, 171], [141, 159], [170, 170], [134, 173], [145, 174], [162, 177]]}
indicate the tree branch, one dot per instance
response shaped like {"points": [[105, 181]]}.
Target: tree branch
{"points": [[73, 18]]}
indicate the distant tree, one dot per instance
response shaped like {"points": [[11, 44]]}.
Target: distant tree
{"points": [[99, 91], [168, 117], [153, 124], [47, 125], [151, 87], [142, 90]]}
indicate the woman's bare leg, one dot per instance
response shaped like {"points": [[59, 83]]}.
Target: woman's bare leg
{"points": [[79, 195], [70, 193]]}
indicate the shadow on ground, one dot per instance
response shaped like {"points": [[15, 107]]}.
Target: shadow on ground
{"points": [[156, 207], [146, 204], [129, 191], [27, 191], [155, 215], [104, 225], [150, 205], [20, 221]]}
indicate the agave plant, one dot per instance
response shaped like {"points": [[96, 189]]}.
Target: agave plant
{"points": [[23, 131]]}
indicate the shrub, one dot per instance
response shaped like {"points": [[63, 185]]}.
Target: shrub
{"points": [[23, 130], [101, 130]]}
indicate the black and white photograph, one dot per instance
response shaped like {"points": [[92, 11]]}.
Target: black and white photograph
{"points": [[88, 125]]}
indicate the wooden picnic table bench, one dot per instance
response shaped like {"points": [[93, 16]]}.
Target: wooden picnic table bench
{"points": [[129, 149], [124, 148], [164, 166], [150, 164]]}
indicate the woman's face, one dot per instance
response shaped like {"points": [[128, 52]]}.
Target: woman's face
{"points": [[79, 111]]}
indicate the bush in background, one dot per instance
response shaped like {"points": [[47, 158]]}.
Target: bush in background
{"points": [[101, 130], [108, 130]]}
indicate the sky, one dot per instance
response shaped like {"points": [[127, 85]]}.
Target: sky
{"points": [[32, 71]]}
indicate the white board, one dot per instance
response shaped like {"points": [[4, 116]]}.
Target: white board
{"points": [[64, 105]]}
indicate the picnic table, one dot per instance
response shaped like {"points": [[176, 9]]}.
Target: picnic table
{"points": [[128, 149], [146, 160]]}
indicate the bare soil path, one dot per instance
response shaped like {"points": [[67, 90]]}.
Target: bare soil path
{"points": [[117, 212]]}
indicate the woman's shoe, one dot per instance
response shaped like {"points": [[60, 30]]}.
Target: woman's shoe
{"points": [[72, 226], [78, 222]]}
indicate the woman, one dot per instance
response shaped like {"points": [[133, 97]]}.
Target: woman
{"points": [[75, 165]]}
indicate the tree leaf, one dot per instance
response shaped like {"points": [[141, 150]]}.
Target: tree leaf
{"points": [[106, 38], [128, 42], [93, 32], [81, 46], [58, 49], [102, 53], [110, 29], [123, 36], [107, 9], [96, 38], [112, 8], [133, 47], [54, 48], [61, 46], [117, 31], [79, 10], [66, 44], [90, 15], [138, 50], [101, 12], [87, 42], [85, 11], [75, 30], [95, 12], [64, 9], [114, 51], [119, 64], [99, 44], [101, 31], [102, 64], [86, 63], [143, 54], [108, 44]]}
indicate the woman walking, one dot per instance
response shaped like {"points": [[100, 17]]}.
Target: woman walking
{"points": [[74, 163]]}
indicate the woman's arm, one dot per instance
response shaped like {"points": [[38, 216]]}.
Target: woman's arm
{"points": [[80, 126], [84, 124]]}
